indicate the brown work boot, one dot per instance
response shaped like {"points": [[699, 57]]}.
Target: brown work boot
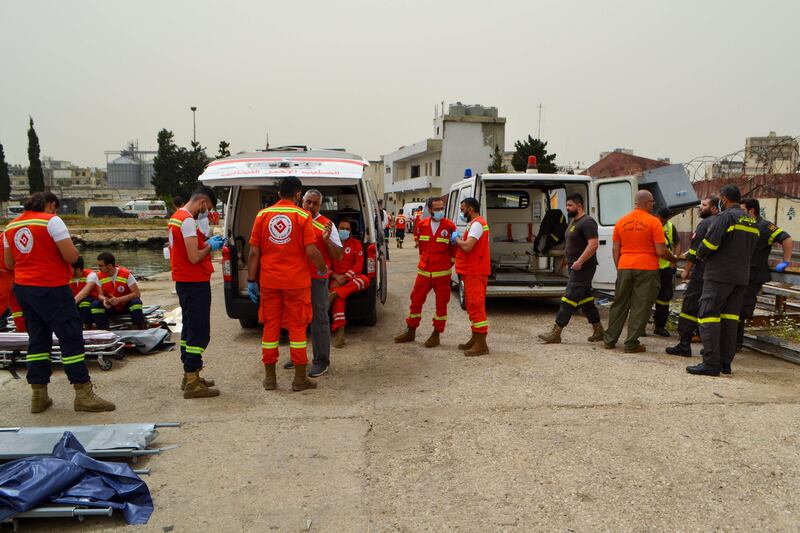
{"points": [[599, 333], [467, 345], [338, 338], [407, 336], [553, 336], [433, 340], [479, 348], [639, 348], [301, 381], [87, 400], [270, 380], [40, 401], [206, 382], [195, 387]]}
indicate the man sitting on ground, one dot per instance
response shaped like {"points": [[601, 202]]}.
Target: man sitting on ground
{"points": [[119, 292], [85, 286], [346, 279]]}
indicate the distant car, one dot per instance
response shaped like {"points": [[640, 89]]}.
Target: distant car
{"points": [[113, 211], [14, 211], [147, 208]]}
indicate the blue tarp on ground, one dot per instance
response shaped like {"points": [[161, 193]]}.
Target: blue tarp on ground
{"points": [[70, 477]]}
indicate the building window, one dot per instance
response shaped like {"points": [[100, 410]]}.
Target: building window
{"points": [[438, 168], [414, 171], [388, 170]]}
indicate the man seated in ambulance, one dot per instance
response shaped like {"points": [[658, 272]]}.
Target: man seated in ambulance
{"points": [[346, 279], [119, 292]]}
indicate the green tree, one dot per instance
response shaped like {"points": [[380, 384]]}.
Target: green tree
{"points": [[166, 165], [224, 149], [193, 164], [545, 163], [497, 166], [35, 172], [5, 180]]}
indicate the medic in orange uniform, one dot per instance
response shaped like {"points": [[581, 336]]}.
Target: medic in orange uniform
{"points": [[84, 286], [436, 257], [400, 228], [347, 278], [38, 248], [473, 264], [417, 220], [281, 243], [8, 300]]}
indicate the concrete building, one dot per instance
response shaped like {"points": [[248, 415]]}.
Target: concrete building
{"points": [[374, 175], [773, 154], [464, 137], [628, 151], [618, 163], [724, 168]]}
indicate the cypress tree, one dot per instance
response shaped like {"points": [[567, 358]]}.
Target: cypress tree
{"points": [[35, 172], [5, 180]]}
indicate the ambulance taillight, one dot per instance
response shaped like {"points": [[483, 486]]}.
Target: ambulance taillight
{"points": [[226, 264], [372, 261]]}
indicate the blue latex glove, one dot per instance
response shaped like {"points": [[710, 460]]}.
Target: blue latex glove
{"points": [[253, 291], [780, 267], [453, 238], [216, 242]]}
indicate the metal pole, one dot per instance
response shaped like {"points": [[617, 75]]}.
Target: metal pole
{"points": [[194, 123]]}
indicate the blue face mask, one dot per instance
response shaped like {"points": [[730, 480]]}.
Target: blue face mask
{"points": [[344, 234], [438, 215]]}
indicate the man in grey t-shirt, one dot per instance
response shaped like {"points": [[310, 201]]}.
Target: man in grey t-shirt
{"points": [[580, 250]]}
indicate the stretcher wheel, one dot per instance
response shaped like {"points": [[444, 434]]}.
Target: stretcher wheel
{"points": [[462, 299], [104, 364]]}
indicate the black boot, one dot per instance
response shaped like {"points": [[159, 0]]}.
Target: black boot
{"points": [[703, 370], [683, 348], [726, 368], [661, 331]]}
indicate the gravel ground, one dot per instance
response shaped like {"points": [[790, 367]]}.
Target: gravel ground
{"points": [[566, 438]]}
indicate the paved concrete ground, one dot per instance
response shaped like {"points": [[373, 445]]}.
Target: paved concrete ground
{"points": [[568, 437]]}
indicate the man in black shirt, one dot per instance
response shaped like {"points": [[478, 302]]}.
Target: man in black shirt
{"points": [[769, 234], [579, 252]]}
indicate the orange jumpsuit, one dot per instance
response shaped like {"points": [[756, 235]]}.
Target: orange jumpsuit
{"points": [[436, 257], [282, 232], [474, 267], [351, 266]]}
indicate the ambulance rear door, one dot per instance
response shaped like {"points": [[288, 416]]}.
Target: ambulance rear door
{"points": [[611, 198]]}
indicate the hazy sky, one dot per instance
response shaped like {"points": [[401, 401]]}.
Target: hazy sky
{"points": [[667, 78]]}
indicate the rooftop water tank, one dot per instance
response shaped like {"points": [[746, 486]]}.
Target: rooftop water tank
{"points": [[475, 110], [457, 109]]}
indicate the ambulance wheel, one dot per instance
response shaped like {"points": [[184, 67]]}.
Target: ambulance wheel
{"points": [[248, 323], [462, 299], [104, 364]]}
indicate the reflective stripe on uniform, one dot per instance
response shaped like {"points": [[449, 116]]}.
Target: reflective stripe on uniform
{"points": [[18, 314], [424, 237], [568, 301], [709, 245], [414, 315], [437, 274], [480, 324], [708, 319], [176, 222], [84, 304], [298, 345], [296, 210], [98, 311], [33, 357], [742, 227], [71, 360], [194, 350], [269, 345], [662, 302], [135, 307], [692, 251], [774, 234], [440, 317], [727, 316], [688, 317], [28, 222], [445, 241], [318, 225]]}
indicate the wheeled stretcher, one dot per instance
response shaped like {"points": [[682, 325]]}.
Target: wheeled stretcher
{"points": [[103, 346]]}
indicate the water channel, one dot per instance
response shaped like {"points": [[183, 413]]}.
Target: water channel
{"points": [[140, 260]]}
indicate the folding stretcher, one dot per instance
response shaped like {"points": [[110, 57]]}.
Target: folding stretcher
{"points": [[153, 315], [103, 346]]}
